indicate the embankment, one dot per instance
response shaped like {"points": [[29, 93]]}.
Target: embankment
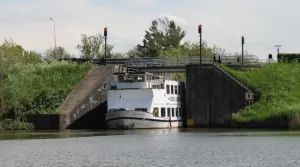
{"points": [[278, 89], [38, 89]]}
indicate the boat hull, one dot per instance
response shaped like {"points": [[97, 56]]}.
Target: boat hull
{"points": [[139, 120]]}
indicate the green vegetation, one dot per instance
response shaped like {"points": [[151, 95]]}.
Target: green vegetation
{"points": [[29, 85], [41, 88], [277, 87], [290, 57]]}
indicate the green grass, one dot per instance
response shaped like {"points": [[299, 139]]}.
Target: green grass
{"points": [[40, 88], [278, 86]]}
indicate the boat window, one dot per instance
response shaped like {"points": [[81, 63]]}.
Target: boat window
{"points": [[172, 89], [176, 112], [131, 78], [173, 112], [179, 90], [156, 86], [169, 112], [180, 112], [155, 112], [168, 89], [163, 112], [162, 86], [175, 89], [154, 78]]}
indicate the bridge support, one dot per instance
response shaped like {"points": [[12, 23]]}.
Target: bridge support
{"points": [[212, 96]]}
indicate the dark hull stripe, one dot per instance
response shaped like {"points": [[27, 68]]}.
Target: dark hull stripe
{"points": [[156, 120]]}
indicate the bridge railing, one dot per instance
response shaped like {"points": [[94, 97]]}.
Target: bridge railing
{"points": [[179, 61]]}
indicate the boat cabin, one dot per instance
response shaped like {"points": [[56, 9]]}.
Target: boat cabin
{"points": [[143, 80]]}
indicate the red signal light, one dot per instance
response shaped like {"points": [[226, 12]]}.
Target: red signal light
{"points": [[105, 32], [199, 29]]}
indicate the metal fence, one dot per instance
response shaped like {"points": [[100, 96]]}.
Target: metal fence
{"points": [[179, 61], [183, 61]]}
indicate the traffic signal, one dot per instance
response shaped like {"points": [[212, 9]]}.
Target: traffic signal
{"points": [[199, 29], [105, 32]]}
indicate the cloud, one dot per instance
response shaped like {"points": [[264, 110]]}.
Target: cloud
{"points": [[178, 20], [263, 23]]}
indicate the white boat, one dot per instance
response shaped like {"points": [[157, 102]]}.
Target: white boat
{"points": [[144, 100]]}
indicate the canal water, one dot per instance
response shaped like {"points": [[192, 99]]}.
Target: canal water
{"points": [[176, 147]]}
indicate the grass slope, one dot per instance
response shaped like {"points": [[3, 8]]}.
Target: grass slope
{"points": [[40, 88], [279, 87]]}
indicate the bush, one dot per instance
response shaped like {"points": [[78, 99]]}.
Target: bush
{"points": [[40, 88], [9, 124], [288, 57]]}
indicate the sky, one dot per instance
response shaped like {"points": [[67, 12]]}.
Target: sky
{"points": [[263, 23]]}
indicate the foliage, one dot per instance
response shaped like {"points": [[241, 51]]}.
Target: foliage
{"points": [[162, 34], [288, 57], [278, 88], [40, 88], [55, 54], [10, 124], [92, 46], [11, 53]]}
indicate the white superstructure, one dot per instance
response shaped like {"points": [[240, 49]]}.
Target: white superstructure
{"points": [[144, 100]]}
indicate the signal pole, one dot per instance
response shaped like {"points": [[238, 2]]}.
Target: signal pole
{"points": [[200, 33], [243, 42], [105, 38]]}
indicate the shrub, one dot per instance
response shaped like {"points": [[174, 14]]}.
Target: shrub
{"points": [[288, 57]]}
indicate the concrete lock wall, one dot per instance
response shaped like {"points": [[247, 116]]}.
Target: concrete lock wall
{"points": [[85, 106], [211, 96]]}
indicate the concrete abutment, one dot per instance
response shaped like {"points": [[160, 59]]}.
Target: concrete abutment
{"points": [[212, 96]]}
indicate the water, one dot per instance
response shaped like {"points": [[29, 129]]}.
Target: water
{"points": [[150, 148]]}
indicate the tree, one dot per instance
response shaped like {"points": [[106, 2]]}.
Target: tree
{"points": [[60, 53], [93, 46], [12, 53], [162, 34], [133, 53]]}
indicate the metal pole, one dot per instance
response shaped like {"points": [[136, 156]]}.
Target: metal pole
{"points": [[105, 38], [243, 42], [54, 37], [277, 46], [200, 42], [200, 48]]}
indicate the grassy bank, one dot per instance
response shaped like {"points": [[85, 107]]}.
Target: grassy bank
{"points": [[278, 88], [38, 88]]}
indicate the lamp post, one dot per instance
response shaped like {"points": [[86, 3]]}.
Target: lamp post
{"points": [[277, 46], [54, 37]]}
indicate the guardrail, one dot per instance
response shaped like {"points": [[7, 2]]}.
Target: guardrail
{"points": [[178, 61]]}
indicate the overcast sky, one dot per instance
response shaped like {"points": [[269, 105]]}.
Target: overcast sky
{"points": [[264, 23]]}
